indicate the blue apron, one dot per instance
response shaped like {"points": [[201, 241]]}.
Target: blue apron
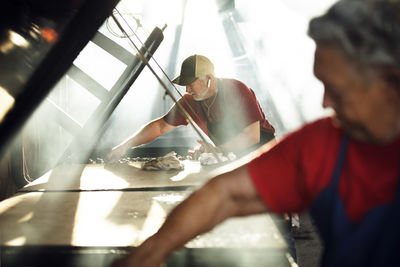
{"points": [[372, 242]]}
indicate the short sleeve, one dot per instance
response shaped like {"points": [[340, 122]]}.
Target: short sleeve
{"points": [[289, 176]]}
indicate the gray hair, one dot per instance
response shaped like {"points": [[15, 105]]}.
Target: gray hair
{"points": [[367, 31]]}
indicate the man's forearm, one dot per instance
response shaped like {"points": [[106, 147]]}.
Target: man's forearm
{"points": [[147, 133], [195, 215], [231, 194], [238, 143], [245, 139], [199, 213]]}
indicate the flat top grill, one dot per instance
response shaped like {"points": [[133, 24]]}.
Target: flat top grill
{"points": [[99, 211]]}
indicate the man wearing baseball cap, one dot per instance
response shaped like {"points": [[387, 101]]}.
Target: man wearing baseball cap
{"points": [[225, 109], [344, 169]]}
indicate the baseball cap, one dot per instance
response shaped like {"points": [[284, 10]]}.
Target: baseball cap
{"points": [[192, 68]]}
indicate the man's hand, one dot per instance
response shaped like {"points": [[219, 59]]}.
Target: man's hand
{"points": [[146, 134], [147, 254], [117, 153], [207, 147], [204, 147], [228, 195], [131, 261]]}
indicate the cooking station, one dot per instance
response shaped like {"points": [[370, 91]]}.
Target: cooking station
{"points": [[88, 215], [81, 214]]}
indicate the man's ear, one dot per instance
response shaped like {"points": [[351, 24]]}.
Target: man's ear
{"points": [[392, 78], [392, 89]]}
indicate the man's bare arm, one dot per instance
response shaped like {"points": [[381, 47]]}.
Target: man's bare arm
{"points": [[146, 134], [228, 195], [245, 139]]}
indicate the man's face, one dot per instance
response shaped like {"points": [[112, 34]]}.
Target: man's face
{"points": [[198, 89], [359, 101]]}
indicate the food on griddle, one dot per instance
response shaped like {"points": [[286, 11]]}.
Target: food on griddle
{"points": [[209, 158], [167, 162]]}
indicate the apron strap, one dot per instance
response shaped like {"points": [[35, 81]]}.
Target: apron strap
{"points": [[388, 244], [340, 160]]}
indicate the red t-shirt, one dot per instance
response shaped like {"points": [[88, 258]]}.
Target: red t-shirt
{"points": [[291, 175], [235, 107]]}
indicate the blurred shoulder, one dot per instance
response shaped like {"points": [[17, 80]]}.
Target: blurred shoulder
{"points": [[321, 130], [232, 83]]}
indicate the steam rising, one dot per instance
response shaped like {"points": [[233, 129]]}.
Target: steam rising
{"points": [[252, 43]]}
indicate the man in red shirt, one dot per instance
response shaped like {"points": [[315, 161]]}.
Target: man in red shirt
{"points": [[225, 109], [345, 168]]}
